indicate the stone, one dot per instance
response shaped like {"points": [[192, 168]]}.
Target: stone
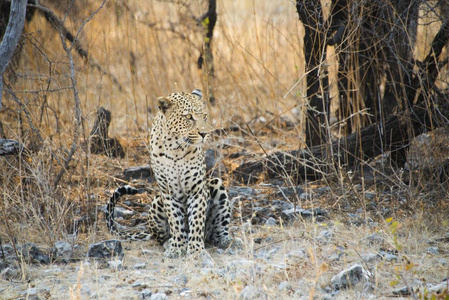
{"points": [[403, 291], [142, 172], [440, 287], [158, 296], [374, 239], [139, 266], [251, 292], [370, 195], [271, 222], [284, 286], [297, 254], [289, 192], [305, 196], [369, 257], [106, 249], [185, 292], [63, 251], [32, 254], [214, 163], [145, 294], [280, 205], [291, 214], [241, 191], [349, 278], [266, 253], [388, 256], [325, 236], [124, 213], [115, 265], [433, 250]]}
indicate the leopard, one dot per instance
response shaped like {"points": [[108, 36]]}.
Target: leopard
{"points": [[189, 209]]}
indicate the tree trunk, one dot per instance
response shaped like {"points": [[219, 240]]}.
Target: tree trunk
{"points": [[206, 59], [11, 37], [311, 16], [393, 134]]}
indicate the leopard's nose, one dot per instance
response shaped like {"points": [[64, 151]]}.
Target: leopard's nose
{"points": [[203, 134]]}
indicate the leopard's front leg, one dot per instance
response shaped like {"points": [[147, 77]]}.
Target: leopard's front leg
{"points": [[196, 209], [175, 210]]}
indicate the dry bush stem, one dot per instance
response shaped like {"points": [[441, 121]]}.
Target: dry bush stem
{"points": [[78, 113]]}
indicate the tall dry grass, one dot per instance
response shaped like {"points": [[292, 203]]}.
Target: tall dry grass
{"points": [[151, 49]]}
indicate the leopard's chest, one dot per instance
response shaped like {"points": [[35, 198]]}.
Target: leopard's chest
{"points": [[177, 171]]}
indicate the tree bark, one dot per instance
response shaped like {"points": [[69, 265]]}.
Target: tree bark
{"points": [[100, 142], [206, 58], [394, 134], [11, 37], [311, 16]]}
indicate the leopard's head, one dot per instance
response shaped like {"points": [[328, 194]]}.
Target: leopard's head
{"points": [[185, 116]]}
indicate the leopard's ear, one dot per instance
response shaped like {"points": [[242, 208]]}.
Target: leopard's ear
{"points": [[164, 104], [198, 93]]}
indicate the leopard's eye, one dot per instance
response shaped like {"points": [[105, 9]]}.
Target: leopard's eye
{"points": [[189, 116]]}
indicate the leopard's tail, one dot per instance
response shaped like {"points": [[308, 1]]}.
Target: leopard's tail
{"points": [[110, 215]]}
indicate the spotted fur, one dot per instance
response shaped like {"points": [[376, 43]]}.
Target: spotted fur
{"points": [[189, 209]]}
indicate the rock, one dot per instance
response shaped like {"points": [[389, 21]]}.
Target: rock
{"points": [[297, 254], [116, 265], [291, 214], [322, 190], [181, 279], [439, 288], [349, 278], [266, 253], [29, 292], [251, 292], [289, 192], [205, 260], [369, 257], [271, 222], [241, 191], [185, 292], [284, 286], [387, 256], [374, 239], [32, 254], [325, 236], [158, 296], [305, 196], [370, 195], [7, 251], [403, 291], [214, 163], [280, 205], [10, 272], [139, 284], [63, 251], [145, 294], [142, 172], [433, 250], [106, 249], [139, 266], [124, 213], [337, 254]]}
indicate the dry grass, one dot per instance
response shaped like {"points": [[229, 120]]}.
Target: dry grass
{"points": [[151, 48]]}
